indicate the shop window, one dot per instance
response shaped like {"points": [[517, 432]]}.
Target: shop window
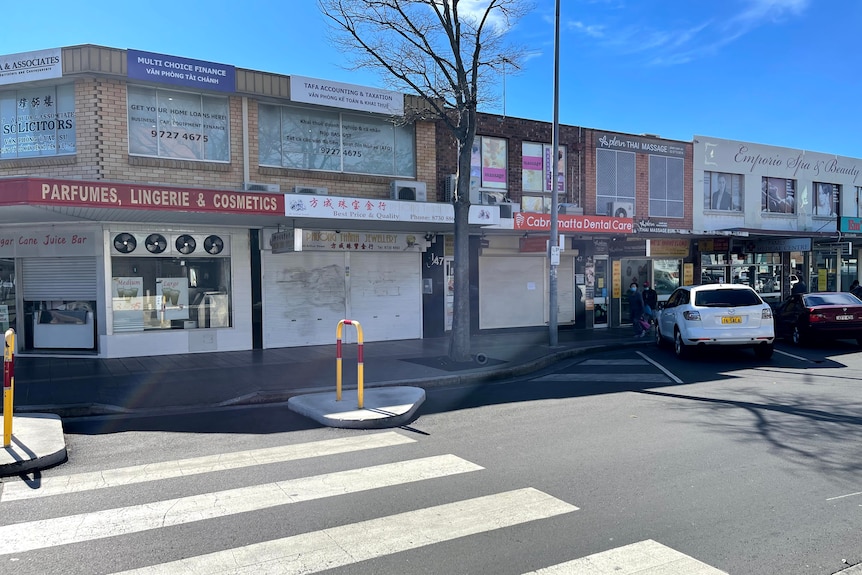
{"points": [[178, 125], [489, 162], [615, 180], [666, 187], [855, 206], [7, 294], [723, 191], [38, 122], [312, 139], [778, 196], [170, 293], [826, 200], [537, 168]]}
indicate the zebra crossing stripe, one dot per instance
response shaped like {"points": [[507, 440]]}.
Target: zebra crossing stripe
{"points": [[21, 537], [339, 546], [605, 377], [644, 558], [620, 361], [61, 485]]}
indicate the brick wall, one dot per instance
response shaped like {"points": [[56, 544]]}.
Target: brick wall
{"points": [[103, 153]]}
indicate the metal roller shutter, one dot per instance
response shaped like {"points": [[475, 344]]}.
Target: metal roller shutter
{"points": [[59, 278]]}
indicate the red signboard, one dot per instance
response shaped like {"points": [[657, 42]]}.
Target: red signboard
{"points": [[76, 193], [579, 224]]}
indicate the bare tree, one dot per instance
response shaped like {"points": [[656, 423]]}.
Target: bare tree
{"points": [[448, 52]]}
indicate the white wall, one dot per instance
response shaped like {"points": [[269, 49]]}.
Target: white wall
{"points": [[754, 161]]}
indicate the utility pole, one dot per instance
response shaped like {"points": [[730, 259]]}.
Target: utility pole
{"points": [[553, 244]]}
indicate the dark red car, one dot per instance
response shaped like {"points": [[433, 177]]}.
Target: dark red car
{"points": [[819, 315]]}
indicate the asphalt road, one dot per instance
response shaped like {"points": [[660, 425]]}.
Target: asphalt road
{"points": [[747, 466]]}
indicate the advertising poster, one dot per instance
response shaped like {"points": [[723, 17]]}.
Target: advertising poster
{"points": [[493, 163], [173, 293], [531, 167], [127, 293]]}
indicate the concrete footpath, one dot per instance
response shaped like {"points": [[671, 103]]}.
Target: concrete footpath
{"points": [[396, 373]]}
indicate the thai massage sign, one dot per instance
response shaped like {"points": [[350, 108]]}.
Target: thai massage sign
{"points": [[39, 191]]}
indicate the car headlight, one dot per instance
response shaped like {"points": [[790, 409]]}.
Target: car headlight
{"points": [[691, 315]]}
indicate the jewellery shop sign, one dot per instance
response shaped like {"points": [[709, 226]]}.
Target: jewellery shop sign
{"points": [[297, 240]]}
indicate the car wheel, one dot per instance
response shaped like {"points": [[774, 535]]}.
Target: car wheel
{"points": [[679, 347], [764, 351], [658, 340], [796, 336]]}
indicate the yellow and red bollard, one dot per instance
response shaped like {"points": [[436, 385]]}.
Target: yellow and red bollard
{"points": [[360, 367], [8, 386]]}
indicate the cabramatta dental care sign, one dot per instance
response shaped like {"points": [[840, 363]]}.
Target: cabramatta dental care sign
{"points": [[30, 66]]}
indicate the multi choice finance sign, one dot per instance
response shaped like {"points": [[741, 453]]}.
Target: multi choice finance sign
{"points": [[580, 224], [76, 193]]}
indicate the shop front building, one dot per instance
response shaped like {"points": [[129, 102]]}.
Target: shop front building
{"points": [[139, 203], [773, 216], [616, 195]]}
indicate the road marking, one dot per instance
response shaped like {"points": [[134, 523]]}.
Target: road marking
{"points": [[605, 377], [843, 496], [638, 558], [21, 537], [60, 485], [614, 361], [344, 545], [667, 372], [799, 357]]}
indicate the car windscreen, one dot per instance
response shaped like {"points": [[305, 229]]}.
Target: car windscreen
{"points": [[726, 298], [830, 299]]}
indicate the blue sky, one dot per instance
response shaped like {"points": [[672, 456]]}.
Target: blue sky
{"points": [[777, 72]]}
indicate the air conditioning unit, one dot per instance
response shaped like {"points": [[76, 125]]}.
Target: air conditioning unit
{"points": [[406, 190], [621, 209], [451, 185], [258, 187], [492, 198], [569, 209], [316, 191], [163, 244], [509, 210]]}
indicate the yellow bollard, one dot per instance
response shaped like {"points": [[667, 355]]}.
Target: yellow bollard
{"points": [[8, 386], [360, 367]]}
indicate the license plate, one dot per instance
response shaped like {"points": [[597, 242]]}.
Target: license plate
{"points": [[843, 317], [731, 319]]}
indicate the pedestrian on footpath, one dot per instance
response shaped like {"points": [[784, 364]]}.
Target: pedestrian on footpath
{"points": [[650, 302], [636, 309]]}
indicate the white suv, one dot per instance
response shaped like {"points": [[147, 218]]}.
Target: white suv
{"points": [[715, 315]]}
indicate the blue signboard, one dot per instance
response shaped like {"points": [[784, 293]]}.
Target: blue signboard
{"points": [[850, 225], [180, 71]]}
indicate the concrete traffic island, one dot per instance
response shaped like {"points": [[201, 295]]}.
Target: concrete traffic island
{"points": [[37, 443], [382, 407]]}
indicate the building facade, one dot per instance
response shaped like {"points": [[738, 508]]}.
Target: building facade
{"points": [[154, 204]]}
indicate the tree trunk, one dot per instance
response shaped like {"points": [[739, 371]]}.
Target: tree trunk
{"points": [[459, 344]]}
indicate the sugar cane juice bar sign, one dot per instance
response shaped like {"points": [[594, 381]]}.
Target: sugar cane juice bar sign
{"points": [[47, 242], [75, 193]]}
